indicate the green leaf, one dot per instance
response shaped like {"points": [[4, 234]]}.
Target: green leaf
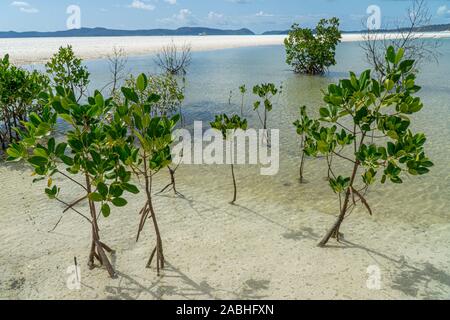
{"points": [[389, 84], [142, 82], [399, 56], [38, 161], [130, 188], [106, 210], [116, 190], [324, 112], [99, 101], [390, 55], [61, 149], [130, 94], [96, 197], [13, 153], [51, 145], [67, 160], [102, 189], [66, 117], [119, 202]]}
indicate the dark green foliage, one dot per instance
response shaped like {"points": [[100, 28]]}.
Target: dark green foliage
{"points": [[94, 152], [313, 51], [19, 101], [153, 135]]}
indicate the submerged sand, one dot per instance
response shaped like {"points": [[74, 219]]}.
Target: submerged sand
{"points": [[39, 50], [263, 248]]}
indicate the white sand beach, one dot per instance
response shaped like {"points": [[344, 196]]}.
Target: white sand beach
{"points": [[263, 248], [39, 50]]}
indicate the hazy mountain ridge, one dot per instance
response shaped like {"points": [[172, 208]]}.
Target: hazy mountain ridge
{"points": [[432, 28], [104, 32]]}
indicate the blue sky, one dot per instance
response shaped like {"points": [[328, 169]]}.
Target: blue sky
{"points": [[258, 15]]}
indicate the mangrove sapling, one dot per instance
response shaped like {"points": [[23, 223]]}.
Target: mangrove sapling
{"points": [[117, 62], [90, 159], [173, 59], [19, 91], [243, 91], [371, 117], [265, 93], [171, 97], [303, 125], [154, 137], [67, 71], [228, 127], [313, 51]]}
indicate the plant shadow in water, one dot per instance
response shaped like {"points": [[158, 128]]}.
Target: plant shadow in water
{"points": [[407, 278], [412, 280], [175, 283]]}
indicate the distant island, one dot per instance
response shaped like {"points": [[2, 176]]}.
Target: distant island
{"points": [[431, 28], [104, 32]]}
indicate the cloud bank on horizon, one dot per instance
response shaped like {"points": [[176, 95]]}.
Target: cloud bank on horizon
{"points": [[257, 15]]}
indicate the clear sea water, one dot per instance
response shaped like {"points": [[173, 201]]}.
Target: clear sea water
{"points": [[212, 75]]}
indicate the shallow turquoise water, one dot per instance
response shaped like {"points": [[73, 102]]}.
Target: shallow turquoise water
{"points": [[423, 200]]}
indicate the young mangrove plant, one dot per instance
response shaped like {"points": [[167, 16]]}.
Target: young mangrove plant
{"points": [[265, 93], [243, 91], [19, 91], [366, 123], [304, 125], [228, 127], [173, 59], [171, 97], [90, 158], [67, 71], [154, 137], [313, 51]]}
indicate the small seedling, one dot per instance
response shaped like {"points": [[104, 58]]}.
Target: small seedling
{"points": [[228, 127]]}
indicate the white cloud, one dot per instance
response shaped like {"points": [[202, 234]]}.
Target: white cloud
{"points": [[24, 7], [172, 2], [141, 5], [443, 11], [183, 15], [214, 15], [263, 14]]}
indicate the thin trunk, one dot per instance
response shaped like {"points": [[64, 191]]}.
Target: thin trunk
{"points": [[146, 211], [234, 184], [97, 247], [302, 163], [172, 183], [334, 231]]}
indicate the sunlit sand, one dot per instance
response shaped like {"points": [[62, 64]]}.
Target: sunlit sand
{"points": [[39, 50]]}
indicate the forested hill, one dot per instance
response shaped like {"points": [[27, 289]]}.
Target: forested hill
{"points": [[103, 32]]}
